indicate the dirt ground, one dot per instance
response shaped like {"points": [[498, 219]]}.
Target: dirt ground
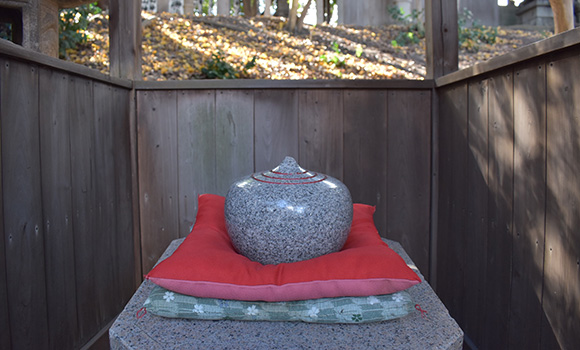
{"points": [[180, 47]]}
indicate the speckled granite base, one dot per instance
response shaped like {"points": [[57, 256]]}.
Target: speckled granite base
{"points": [[436, 331], [288, 214]]}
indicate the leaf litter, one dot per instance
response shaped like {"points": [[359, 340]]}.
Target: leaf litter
{"points": [[179, 47]]}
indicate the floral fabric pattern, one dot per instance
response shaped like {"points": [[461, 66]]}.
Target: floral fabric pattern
{"points": [[376, 308]]}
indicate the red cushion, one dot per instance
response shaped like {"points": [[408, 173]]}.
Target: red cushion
{"points": [[207, 265]]}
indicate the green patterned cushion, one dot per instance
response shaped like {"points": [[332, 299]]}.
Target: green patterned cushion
{"points": [[163, 302]]}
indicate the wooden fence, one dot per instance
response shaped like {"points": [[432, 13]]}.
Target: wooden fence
{"points": [[376, 139], [67, 263], [508, 252], [98, 175]]}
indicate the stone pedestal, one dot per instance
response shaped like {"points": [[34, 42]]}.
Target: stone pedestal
{"points": [[434, 329], [536, 12]]}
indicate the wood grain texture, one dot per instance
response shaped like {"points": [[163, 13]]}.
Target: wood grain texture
{"points": [[234, 137], [196, 154], [365, 150], [529, 206], [276, 127], [106, 213], [477, 210], [125, 39], [121, 158], [441, 38], [138, 272], [321, 131], [500, 211], [158, 182], [21, 186], [453, 146], [5, 342], [561, 297], [57, 208], [84, 193], [408, 172]]}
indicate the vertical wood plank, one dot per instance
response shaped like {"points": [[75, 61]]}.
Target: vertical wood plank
{"points": [[106, 211], [500, 210], [57, 208], [158, 183], [234, 137], [4, 316], [477, 210], [561, 298], [276, 127], [408, 173], [138, 272], [196, 155], [123, 204], [84, 193], [320, 131], [529, 206], [453, 147], [23, 229], [365, 150]]}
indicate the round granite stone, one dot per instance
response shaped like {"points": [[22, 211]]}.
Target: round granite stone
{"points": [[288, 214]]}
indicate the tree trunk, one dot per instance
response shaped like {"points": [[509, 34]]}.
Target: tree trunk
{"points": [[291, 26], [223, 7], [282, 8], [563, 15], [267, 5], [300, 22], [250, 8]]}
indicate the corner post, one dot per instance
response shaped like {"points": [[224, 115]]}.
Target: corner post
{"points": [[125, 39], [442, 37]]}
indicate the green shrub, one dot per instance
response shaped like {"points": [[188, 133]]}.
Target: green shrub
{"points": [[337, 58], [72, 26], [412, 23], [217, 68], [470, 38]]}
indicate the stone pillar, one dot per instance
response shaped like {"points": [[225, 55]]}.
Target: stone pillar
{"points": [[39, 24], [319, 11], [223, 7], [48, 28], [188, 7]]}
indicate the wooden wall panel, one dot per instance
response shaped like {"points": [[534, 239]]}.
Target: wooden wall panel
{"points": [[234, 137], [365, 150], [21, 186], [276, 127], [158, 183], [321, 131], [106, 211], [477, 209], [196, 155], [57, 208], [124, 237], [84, 201], [4, 316], [561, 297], [451, 254], [528, 206], [409, 172], [500, 208]]}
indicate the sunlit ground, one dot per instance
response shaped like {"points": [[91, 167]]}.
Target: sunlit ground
{"points": [[178, 47]]}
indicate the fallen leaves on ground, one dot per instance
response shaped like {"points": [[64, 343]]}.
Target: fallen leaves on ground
{"points": [[177, 47]]}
